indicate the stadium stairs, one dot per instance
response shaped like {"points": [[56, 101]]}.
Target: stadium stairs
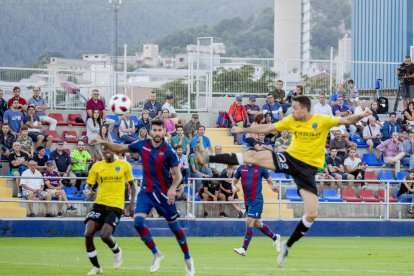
{"points": [[9, 209]]}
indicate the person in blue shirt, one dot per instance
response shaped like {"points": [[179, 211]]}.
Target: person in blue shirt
{"points": [[14, 118], [390, 126], [273, 107], [340, 108], [158, 189], [339, 93], [200, 135], [251, 180], [154, 108]]}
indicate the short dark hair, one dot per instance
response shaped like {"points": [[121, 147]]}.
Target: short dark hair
{"points": [[178, 147], [407, 56], [303, 100], [351, 81], [179, 126], [393, 113], [40, 148], [24, 128], [270, 94], [157, 122], [201, 126], [15, 88]]}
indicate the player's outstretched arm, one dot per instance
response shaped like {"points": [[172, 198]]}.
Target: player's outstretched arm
{"points": [[259, 129], [353, 119], [111, 146]]}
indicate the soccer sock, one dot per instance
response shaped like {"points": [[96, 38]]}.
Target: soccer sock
{"points": [[181, 239], [115, 249], [247, 237], [301, 229], [145, 234], [227, 158], [266, 230], [93, 257]]}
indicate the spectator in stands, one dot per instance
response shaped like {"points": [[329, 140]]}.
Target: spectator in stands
{"points": [[180, 139], [95, 103], [127, 129], [18, 164], [93, 125], [104, 134], [351, 144], [32, 121], [169, 124], [41, 106], [26, 141], [279, 94], [33, 188], [374, 108], [393, 151], [353, 93], [54, 187], [409, 117], [14, 118], [63, 163], [142, 134], [154, 108], [406, 190], [144, 121], [238, 114], [299, 90], [283, 142], [200, 135], [355, 166], [183, 159], [272, 107], [258, 120], [169, 99], [340, 108], [390, 126], [22, 105], [41, 159], [372, 134], [271, 137], [361, 108], [252, 109], [323, 176], [228, 192], [217, 168], [210, 192], [340, 145], [321, 107], [191, 128], [79, 157], [337, 170], [261, 144], [198, 170], [6, 141], [3, 106], [408, 145], [339, 93]]}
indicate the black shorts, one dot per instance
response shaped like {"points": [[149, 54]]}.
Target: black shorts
{"points": [[303, 174], [227, 195], [104, 214]]}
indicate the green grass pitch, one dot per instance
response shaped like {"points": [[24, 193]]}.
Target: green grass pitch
{"points": [[213, 256]]}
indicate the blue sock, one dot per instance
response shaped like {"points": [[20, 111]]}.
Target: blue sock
{"points": [[181, 239]]}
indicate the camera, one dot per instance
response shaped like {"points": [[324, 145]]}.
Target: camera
{"points": [[402, 71]]}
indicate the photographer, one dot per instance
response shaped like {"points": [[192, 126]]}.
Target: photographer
{"points": [[405, 73]]}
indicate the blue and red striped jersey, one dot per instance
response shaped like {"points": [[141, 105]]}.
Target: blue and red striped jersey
{"points": [[156, 165], [251, 179]]}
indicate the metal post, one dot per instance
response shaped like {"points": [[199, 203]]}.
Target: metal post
{"points": [[125, 68], [193, 201], [387, 200], [116, 4], [331, 71], [280, 199]]}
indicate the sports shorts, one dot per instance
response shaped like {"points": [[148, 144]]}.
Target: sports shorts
{"points": [[104, 214], [254, 209], [146, 201], [303, 174]]}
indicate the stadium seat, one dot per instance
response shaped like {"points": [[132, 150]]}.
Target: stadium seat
{"points": [[370, 175], [401, 199], [275, 176], [292, 194], [189, 191], [83, 133], [114, 139], [385, 177], [113, 117], [59, 118], [359, 141], [330, 195], [71, 193], [401, 175], [405, 162], [381, 196], [70, 136], [47, 152], [137, 172], [349, 195], [131, 161], [368, 196], [72, 120], [52, 133], [134, 118], [371, 160]]}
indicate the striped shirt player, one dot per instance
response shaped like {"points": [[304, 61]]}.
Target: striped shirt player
{"points": [[251, 179], [161, 177]]}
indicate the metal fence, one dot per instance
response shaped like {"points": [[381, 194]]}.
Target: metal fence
{"points": [[195, 87]]}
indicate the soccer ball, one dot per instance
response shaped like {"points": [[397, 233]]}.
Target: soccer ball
{"points": [[120, 104]]}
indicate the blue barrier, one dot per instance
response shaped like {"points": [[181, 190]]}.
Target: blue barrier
{"points": [[210, 228]]}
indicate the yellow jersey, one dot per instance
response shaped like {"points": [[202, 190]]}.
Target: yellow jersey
{"points": [[111, 178], [308, 138]]}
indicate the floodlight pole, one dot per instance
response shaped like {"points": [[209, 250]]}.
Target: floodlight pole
{"points": [[115, 4]]}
